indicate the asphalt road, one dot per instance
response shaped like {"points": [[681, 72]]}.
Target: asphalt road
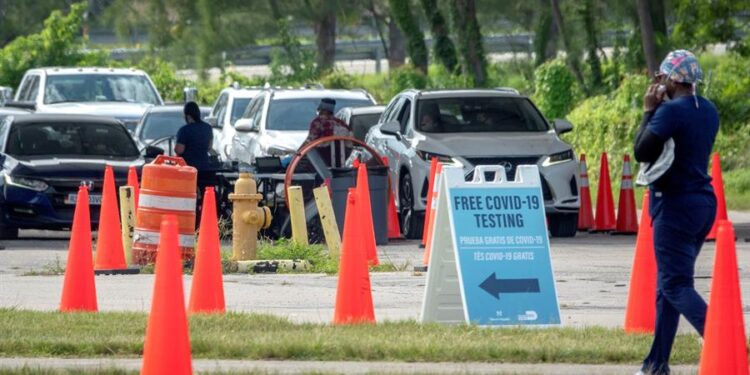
{"points": [[592, 273]]}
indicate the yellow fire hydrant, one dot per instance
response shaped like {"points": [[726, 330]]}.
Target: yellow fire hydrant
{"points": [[247, 218]]}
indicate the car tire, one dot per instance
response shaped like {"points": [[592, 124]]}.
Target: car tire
{"points": [[563, 225], [411, 220]]}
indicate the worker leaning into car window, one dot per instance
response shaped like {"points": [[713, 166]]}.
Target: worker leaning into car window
{"points": [[682, 202], [194, 139], [326, 125]]}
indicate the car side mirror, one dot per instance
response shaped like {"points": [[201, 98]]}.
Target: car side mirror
{"points": [[391, 128], [245, 125], [153, 151], [562, 126]]}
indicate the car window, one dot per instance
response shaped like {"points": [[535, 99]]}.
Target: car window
{"points": [[479, 114], [361, 124], [70, 139], [257, 115], [161, 124], [26, 87], [392, 110], [130, 88], [220, 102], [403, 116], [33, 91], [238, 108], [296, 114]]}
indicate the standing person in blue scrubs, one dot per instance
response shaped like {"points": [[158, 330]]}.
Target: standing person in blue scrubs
{"points": [[194, 139], [682, 201]]}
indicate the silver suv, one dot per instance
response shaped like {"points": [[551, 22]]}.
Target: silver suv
{"points": [[469, 128], [228, 108], [277, 120], [124, 94]]}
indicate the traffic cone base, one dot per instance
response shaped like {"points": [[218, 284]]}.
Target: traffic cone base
{"points": [[640, 313], [353, 291], [207, 291], [79, 286], [167, 346], [725, 347]]}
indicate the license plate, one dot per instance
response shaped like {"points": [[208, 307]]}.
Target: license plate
{"points": [[93, 199]]}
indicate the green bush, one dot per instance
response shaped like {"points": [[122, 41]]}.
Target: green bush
{"points": [[555, 89], [406, 77], [607, 123], [165, 78], [340, 80], [58, 44], [728, 86]]}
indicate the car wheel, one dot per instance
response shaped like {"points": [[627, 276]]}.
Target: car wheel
{"points": [[563, 225], [411, 221]]}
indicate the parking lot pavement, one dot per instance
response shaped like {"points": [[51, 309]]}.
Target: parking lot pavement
{"points": [[592, 272]]}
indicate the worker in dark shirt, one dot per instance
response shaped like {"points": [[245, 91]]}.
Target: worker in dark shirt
{"points": [[682, 201], [194, 139]]}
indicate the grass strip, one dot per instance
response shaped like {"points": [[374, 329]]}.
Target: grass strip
{"points": [[252, 336]]}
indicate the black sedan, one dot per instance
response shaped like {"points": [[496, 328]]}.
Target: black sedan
{"points": [[45, 158]]}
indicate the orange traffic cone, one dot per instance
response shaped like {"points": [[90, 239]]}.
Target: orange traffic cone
{"points": [[79, 288], [110, 256], [353, 293], [605, 208], [394, 228], [717, 182], [430, 182], [365, 211], [640, 314], [725, 348], [431, 223], [133, 181], [167, 346], [207, 291], [585, 213], [627, 218]]}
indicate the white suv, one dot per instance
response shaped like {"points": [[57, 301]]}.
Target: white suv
{"points": [[278, 120], [469, 128], [228, 108], [124, 94]]}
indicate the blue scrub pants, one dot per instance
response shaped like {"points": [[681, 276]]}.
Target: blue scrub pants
{"points": [[681, 223]]}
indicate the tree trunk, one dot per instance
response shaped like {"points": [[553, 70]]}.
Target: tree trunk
{"points": [[571, 52], [545, 35], [442, 46], [470, 40], [401, 11], [592, 42], [325, 31], [659, 23], [207, 36], [396, 47], [647, 36]]}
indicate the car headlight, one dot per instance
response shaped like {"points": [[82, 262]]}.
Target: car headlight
{"points": [[427, 156], [559, 157], [26, 183]]}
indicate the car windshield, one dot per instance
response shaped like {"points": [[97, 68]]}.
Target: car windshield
{"points": [[128, 88], [161, 124], [478, 114], [238, 108], [296, 114], [70, 139]]}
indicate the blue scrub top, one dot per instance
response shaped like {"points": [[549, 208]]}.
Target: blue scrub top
{"points": [[694, 131]]}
